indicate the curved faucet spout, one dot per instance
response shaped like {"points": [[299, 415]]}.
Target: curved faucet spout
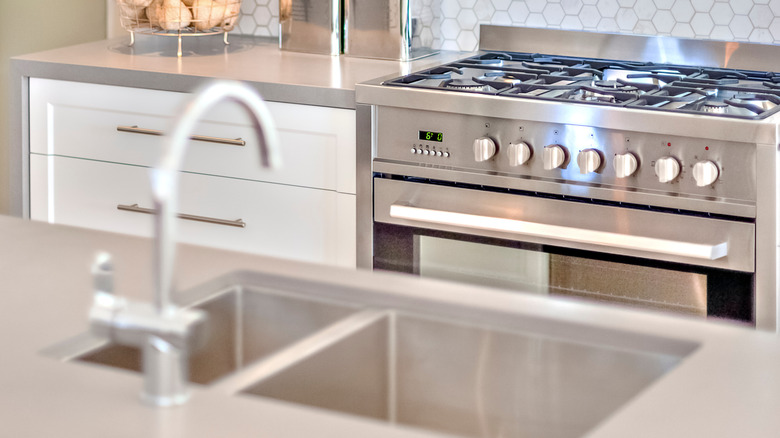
{"points": [[165, 177]]}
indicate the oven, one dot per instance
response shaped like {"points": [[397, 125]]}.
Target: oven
{"points": [[621, 190], [528, 242]]}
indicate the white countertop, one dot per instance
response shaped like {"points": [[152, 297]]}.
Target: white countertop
{"points": [[278, 75], [728, 386]]}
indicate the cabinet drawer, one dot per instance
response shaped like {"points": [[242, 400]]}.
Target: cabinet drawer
{"points": [[280, 220], [80, 120]]}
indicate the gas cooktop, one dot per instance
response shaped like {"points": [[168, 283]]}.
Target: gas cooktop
{"points": [[646, 85]]}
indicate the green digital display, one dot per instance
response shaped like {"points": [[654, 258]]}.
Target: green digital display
{"points": [[431, 136]]}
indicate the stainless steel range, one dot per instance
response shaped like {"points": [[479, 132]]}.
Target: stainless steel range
{"points": [[633, 170]]}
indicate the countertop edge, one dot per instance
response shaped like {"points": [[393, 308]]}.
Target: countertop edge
{"points": [[178, 82]]}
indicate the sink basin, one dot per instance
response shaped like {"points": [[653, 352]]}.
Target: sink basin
{"points": [[465, 380], [457, 370], [244, 325]]}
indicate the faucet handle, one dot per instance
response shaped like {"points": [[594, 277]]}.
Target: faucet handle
{"points": [[103, 282], [103, 273], [105, 304]]}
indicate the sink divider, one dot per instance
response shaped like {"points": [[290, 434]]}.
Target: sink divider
{"points": [[299, 351], [392, 369]]}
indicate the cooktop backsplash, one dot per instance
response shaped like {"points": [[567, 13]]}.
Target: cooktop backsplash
{"points": [[454, 24]]}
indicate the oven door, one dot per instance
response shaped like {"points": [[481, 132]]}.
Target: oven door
{"points": [[555, 245]]}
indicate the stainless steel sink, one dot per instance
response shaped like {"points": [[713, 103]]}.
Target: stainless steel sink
{"points": [[244, 325], [464, 380], [459, 370]]}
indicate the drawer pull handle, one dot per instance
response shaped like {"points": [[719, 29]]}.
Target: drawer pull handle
{"points": [[190, 217], [136, 130]]}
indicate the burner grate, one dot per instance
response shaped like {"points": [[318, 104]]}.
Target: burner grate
{"points": [[666, 87]]}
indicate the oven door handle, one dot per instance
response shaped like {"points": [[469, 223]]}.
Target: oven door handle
{"points": [[593, 237]]}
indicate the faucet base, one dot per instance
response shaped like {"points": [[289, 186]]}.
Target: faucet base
{"points": [[166, 369]]}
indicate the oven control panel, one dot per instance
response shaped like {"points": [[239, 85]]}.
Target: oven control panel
{"points": [[584, 155]]}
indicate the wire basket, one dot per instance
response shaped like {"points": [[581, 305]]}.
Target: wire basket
{"points": [[178, 17]]}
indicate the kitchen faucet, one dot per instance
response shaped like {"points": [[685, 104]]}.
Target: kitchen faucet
{"points": [[165, 332]]}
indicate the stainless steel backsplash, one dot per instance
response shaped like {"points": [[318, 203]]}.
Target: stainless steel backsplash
{"points": [[312, 26], [385, 29]]}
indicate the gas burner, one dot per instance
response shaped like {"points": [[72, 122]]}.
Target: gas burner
{"points": [[608, 84], [565, 81], [489, 59], [600, 95], [620, 86], [562, 69], [641, 78], [441, 72], [715, 107], [593, 96], [506, 79], [498, 81], [464, 85]]}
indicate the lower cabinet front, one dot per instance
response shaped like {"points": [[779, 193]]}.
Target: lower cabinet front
{"points": [[235, 214]]}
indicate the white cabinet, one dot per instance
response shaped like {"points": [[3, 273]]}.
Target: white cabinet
{"points": [[86, 160]]}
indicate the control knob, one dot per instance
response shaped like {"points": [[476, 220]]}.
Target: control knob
{"points": [[625, 164], [484, 149], [705, 173], [667, 169], [519, 153], [589, 160], [554, 156]]}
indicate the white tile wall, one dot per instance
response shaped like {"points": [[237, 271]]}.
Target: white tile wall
{"points": [[454, 24], [259, 17]]}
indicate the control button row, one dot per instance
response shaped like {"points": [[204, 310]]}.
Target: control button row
{"points": [[432, 153]]}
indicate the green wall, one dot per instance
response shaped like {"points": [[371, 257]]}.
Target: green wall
{"points": [[35, 25]]}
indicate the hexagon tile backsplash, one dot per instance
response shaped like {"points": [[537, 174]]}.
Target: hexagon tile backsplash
{"points": [[454, 24]]}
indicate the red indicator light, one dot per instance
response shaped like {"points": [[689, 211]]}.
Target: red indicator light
{"points": [[706, 148], [668, 144]]}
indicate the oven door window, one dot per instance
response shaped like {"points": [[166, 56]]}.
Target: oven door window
{"points": [[544, 269], [484, 265]]}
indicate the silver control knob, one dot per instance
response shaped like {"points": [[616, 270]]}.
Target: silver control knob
{"points": [[625, 164], [589, 160], [554, 156], [667, 169], [484, 149], [519, 153], [705, 173]]}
